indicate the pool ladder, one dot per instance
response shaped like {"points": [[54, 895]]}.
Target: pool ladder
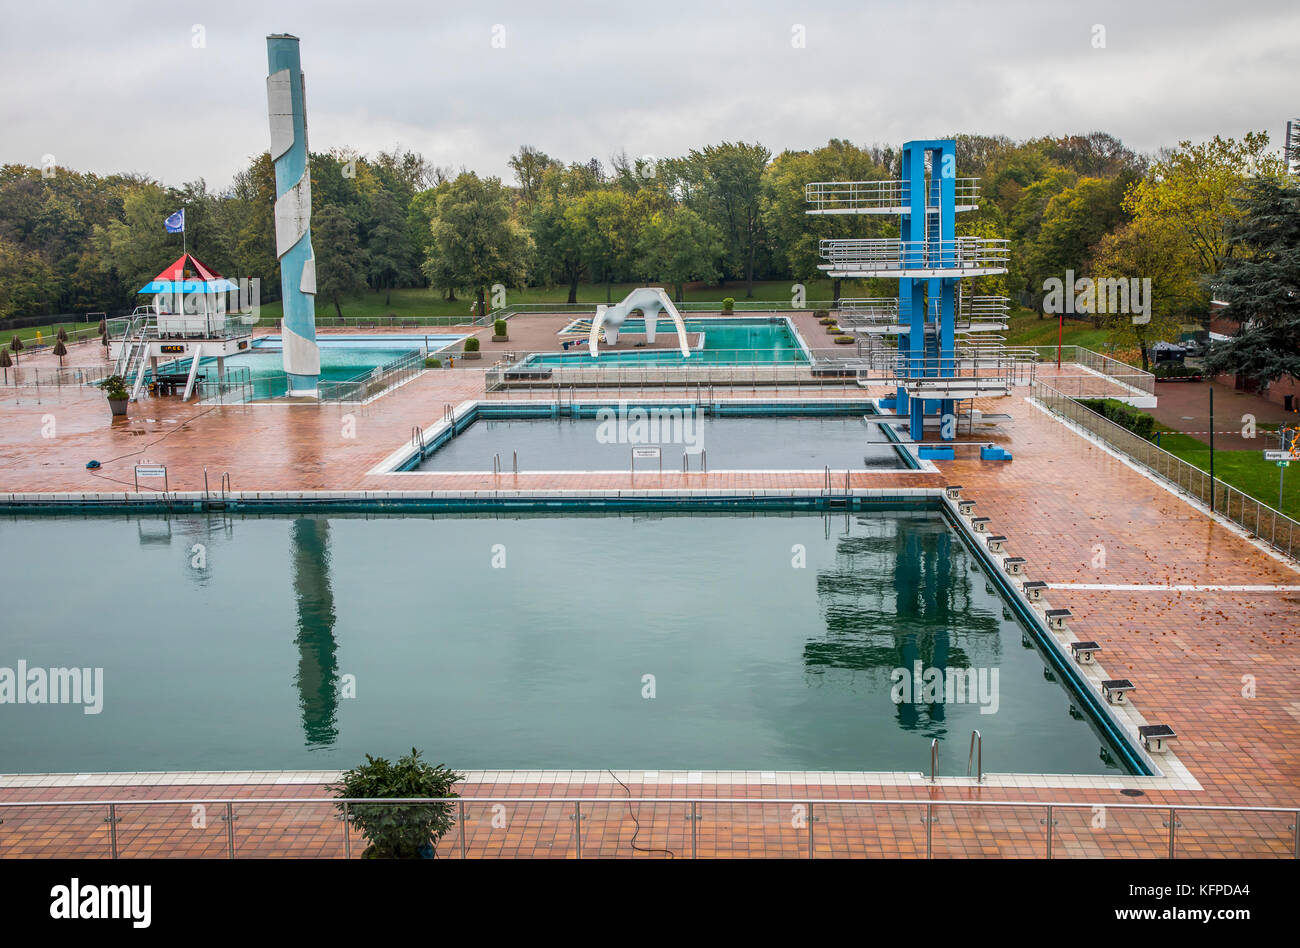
{"points": [[704, 462], [496, 462], [975, 756]]}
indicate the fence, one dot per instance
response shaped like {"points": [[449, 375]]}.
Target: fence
{"points": [[375, 381], [49, 377], [1112, 370], [597, 827], [1260, 520]]}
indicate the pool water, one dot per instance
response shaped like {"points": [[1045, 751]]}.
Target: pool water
{"points": [[723, 442], [342, 358], [558, 642], [729, 340]]}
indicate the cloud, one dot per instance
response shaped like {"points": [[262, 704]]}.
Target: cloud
{"points": [[121, 87]]}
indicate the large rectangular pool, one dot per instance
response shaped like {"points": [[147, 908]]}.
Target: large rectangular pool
{"points": [[714, 642], [603, 440]]}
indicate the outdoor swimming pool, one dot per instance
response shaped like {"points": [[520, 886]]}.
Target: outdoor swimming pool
{"points": [[727, 641], [342, 358], [726, 340], [602, 439]]}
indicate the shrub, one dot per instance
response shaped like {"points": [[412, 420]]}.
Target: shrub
{"points": [[115, 389], [826, 321], [401, 831], [843, 340], [432, 362], [471, 344], [728, 304], [822, 313], [499, 327], [1124, 415]]}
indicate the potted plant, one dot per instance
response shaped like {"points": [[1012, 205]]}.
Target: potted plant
{"points": [[401, 830], [116, 393], [471, 348], [728, 304], [499, 332], [843, 340]]}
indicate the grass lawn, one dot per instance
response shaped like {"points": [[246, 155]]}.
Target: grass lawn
{"points": [[1245, 470], [429, 302], [1024, 328], [49, 332]]}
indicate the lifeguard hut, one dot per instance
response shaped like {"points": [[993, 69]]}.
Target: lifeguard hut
{"points": [[194, 313]]}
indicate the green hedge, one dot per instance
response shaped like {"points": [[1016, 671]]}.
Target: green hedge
{"points": [[1138, 422]]}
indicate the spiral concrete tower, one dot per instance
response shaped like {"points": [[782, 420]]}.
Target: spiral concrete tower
{"points": [[288, 114]]}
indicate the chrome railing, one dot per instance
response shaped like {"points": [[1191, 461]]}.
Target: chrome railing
{"points": [[588, 827], [371, 383], [1259, 519]]}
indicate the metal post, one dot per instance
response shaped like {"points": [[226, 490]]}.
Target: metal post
{"points": [[929, 830], [460, 822], [811, 852], [347, 833], [577, 824], [1211, 452], [1173, 819], [112, 828], [230, 831], [695, 822], [1050, 821]]}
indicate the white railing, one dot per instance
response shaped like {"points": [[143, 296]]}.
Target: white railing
{"points": [[880, 197], [883, 256]]}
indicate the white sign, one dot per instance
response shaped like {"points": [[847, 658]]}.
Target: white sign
{"points": [[645, 452], [150, 470], [1277, 455]]}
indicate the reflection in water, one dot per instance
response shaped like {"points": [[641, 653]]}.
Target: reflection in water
{"points": [[894, 598], [317, 679]]}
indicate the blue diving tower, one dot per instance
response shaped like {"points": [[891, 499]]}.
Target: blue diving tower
{"points": [[934, 267]]}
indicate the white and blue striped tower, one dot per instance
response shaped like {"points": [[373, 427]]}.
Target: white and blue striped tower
{"points": [[288, 114], [930, 262]]}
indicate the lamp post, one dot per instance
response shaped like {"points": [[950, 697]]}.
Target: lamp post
{"points": [[1211, 447]]}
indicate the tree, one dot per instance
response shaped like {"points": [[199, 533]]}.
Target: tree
{"points": [[339, 260], [1187, 196], [476, 240], [1137, 251], [795, 236], [1073, 223], [724, 185], [599, 220], [678, 246], [1261, 284], [388, 251], [530, 166], [558, 234]]}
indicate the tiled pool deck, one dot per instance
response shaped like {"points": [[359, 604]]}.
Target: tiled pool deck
{"points": [[1089, 524]]}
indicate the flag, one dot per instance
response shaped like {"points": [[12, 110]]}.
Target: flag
{"points": [[176, 223]]}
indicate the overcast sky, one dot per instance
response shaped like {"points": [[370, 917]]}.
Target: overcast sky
{"points": [[121, 86]]}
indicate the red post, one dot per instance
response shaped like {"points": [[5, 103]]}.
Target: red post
{"points": [[1060, 331]]}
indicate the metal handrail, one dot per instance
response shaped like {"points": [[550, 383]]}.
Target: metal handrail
{"points": [[615, 805], [934, 760], [976, 744], [888, 254], [1264, 523]]}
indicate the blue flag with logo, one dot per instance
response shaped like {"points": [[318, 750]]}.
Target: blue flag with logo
{"points": [[176, 223]]}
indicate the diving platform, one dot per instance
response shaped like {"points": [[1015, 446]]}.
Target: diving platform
{"points": [[881, 197], [915, 259]]}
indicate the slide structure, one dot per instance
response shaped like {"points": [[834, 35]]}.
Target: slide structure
{"points": [[651, 300]]}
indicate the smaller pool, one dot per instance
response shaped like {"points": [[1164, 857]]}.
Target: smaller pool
{"points": [[342, 358], [603, 439], [737, 340]]}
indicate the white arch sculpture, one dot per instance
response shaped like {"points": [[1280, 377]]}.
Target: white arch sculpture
{"points": [[651, 300]]}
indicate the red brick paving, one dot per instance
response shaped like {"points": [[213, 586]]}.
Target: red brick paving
{"points": [[1061, 503]]}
